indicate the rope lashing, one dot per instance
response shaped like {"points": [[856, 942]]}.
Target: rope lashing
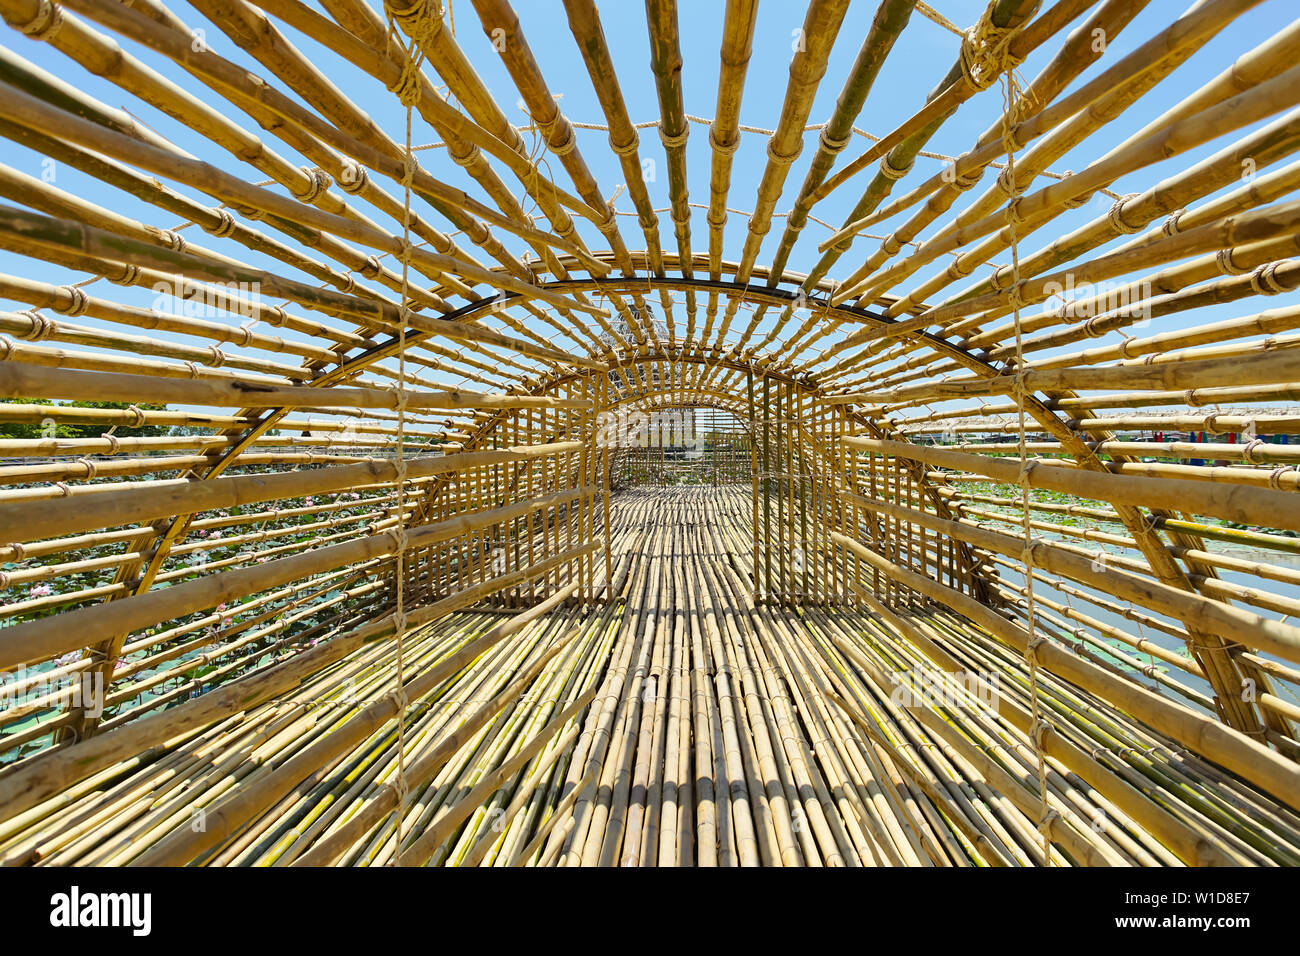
{"points": [[41, 327], [958, 270], [1226, 265], [890, 171], [1078, 201], [1116, 216], [78, 303], [1023, 476], [962, 182], [1275, 477], [630, 147], [1264, 281], [561, 147], [674, 141], [828, 143], [318, 181], [354, 178], [225, 224], [1014, 216], [778, 158], [1251, 447], [984, 54]]}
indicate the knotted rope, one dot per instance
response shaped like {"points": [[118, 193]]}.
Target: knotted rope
{"points": [[984, 54]]}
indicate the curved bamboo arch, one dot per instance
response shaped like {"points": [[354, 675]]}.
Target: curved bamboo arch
{"points": [[867, 422]]}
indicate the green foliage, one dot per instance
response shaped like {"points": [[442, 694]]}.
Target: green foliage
{"points": [[67, 430]]}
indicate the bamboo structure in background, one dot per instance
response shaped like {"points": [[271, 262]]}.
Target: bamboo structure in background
{"points": [[360, 510]]}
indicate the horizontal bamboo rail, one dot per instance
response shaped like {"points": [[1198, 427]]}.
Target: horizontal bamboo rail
{"points": [[19, 380], [1235, 503], [1234, 750]]}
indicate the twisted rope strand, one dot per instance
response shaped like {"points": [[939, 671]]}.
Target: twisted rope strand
{"points": [[1038, 727]]}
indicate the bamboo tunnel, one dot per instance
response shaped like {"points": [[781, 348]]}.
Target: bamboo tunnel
{"points": [[378, 489]]}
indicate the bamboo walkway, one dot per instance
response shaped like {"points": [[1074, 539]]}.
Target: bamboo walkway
{"points": [[680, 724]]}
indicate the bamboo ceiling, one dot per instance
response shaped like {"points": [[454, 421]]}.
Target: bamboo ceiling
{"points": [[368, 431]]}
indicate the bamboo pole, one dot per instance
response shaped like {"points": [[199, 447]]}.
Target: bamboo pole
{"points": [[1234, 502]]}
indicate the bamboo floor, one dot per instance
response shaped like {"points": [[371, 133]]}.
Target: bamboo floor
{"points": [[717, 733]]}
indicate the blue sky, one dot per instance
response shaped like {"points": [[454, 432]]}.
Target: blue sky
{"points": [[921, 57]]}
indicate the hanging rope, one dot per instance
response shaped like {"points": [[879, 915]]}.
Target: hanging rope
{"points": [[408, 91], [1038, 727], [934, 16]]}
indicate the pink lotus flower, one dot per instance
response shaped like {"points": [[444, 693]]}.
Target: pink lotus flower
{"points": [[42, 590]]}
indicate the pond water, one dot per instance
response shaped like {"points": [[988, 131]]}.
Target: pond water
{"points": [[1284, 690]]}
